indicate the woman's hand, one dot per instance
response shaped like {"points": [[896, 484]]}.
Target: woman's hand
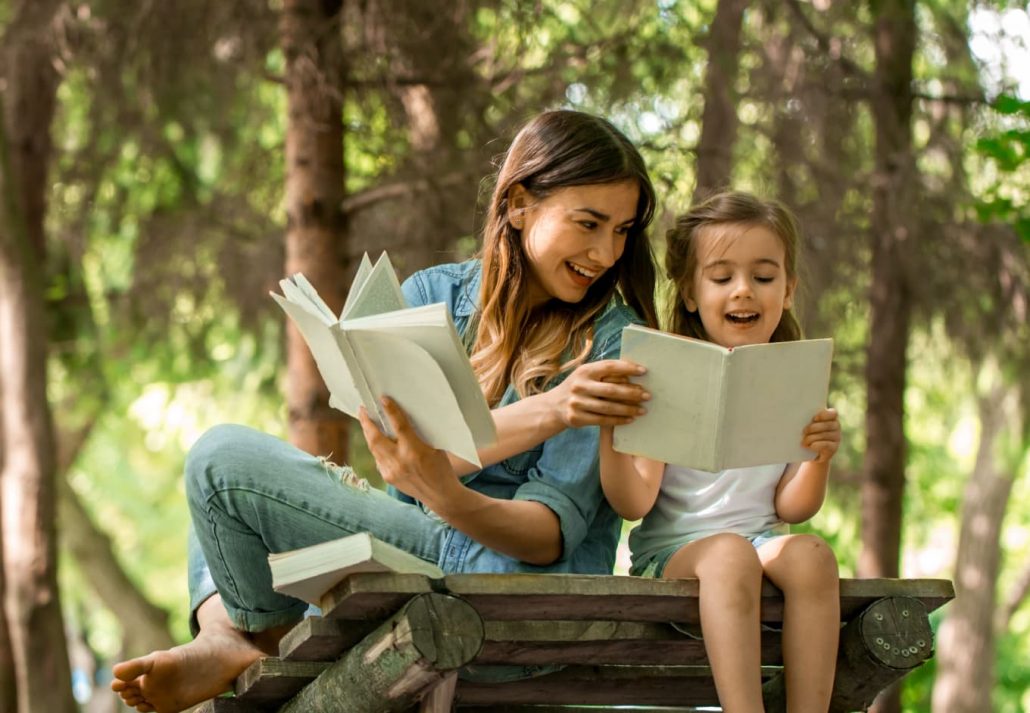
{"points": [[407, 462], [822, 435], [599, 394]]}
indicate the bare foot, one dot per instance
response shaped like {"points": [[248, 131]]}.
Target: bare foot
{"points": [[173, 680]]}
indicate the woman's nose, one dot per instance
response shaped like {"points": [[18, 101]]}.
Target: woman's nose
{"points": [[605, 251]]}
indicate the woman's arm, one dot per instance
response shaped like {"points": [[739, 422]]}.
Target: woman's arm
{"points": [[523, 529], [802, 489], [630, 483], [584, 398]]}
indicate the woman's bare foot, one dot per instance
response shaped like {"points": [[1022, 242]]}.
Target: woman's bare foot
{"points": [[173, 680]]}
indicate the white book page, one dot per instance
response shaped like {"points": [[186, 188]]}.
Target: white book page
{"points": [[360, 277], [379, 292], [773, 392], [297, 289], [404, 371], [432, 328], [684, 378], [343, 394]]}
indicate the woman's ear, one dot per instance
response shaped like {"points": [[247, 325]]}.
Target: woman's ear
{"points": [[518, 201]]}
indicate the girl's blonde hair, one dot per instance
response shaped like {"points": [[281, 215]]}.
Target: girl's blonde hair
{"points": [[527, 346], [728, 208]]}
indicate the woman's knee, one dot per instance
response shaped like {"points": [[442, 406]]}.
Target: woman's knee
{"points": [[223, 451]]}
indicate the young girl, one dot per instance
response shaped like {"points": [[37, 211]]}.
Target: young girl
{"points": [[733, 260]]}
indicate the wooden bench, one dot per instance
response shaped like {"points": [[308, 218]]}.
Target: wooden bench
{"points": [[391, 642]]}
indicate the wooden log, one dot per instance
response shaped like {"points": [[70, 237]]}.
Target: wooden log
{"points": [[396, 664], [885, 642]]}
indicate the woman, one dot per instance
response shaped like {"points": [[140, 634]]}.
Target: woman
{"points": [[565, 265]]}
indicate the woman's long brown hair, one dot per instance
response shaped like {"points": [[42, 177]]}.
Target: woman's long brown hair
{"points": [[527, 346]]}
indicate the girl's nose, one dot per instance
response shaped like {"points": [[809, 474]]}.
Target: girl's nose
{"points": [[742, 288]]}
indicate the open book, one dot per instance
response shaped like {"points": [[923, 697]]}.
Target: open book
{"points": [[714, 408], [379, 347], [310, 572]]}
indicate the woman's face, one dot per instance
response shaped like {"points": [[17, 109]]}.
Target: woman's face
{"points": [[572, 236]]}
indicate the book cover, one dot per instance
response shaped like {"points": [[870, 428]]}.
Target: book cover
{"points": [[714, 408], [378, 346], [309, 572]]}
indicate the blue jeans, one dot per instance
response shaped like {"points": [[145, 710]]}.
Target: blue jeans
{"points": [[251, 494]]}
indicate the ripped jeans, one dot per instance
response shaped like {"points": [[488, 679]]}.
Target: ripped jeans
{"points": [[250, 494]]}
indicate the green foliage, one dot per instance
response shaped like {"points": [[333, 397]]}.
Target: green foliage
{"points": [[1007, 197]]}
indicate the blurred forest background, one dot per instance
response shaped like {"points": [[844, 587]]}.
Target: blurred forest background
{"points": [[163, 164]]}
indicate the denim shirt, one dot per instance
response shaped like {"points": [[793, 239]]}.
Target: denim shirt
{"points": [[562, 473]]}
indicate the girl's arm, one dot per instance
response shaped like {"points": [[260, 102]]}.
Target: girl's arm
{"points": [[801, 490], [584, 398], [630, 483], [526, 530]]}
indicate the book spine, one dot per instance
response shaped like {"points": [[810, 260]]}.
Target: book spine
{"points": [[718, 457], [360, 372]]}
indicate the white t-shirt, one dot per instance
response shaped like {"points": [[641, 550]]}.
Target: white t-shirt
{"points": [[693, 504]]}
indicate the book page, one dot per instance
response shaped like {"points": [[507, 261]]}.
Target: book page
{"points": [[379, 292], [684, 377], [773, 390], [298, 290], [360, 277], [396, 367], [343, 393], [432, 328]]}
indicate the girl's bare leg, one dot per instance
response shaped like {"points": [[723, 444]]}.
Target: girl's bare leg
{"points": [[805, 568], [730, 575], [173, 680]]}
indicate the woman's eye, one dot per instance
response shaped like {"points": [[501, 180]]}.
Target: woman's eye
{"points": [[588, 224], [623, 229]]}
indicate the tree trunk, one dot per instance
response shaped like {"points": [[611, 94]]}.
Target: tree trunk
{"points": [[315, 230], [890, 300], [719, 120], [32, 597], [965, 644]]}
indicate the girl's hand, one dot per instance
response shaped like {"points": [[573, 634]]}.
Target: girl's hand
{"points": [[599, 394], [822, 435], [407, 462]]}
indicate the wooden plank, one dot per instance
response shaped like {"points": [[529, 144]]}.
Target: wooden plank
{"points": [[559, 596], [374, 595], [555, 596], [271, 680], [683, 686], [319, 639], [394, 666], [599, 642]]}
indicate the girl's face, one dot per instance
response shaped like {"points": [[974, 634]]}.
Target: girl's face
{"points": [[572, 236], [740, 286]]}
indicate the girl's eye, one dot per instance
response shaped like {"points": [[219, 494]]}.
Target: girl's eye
{"points": [[720, 280], [763, 279]]}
